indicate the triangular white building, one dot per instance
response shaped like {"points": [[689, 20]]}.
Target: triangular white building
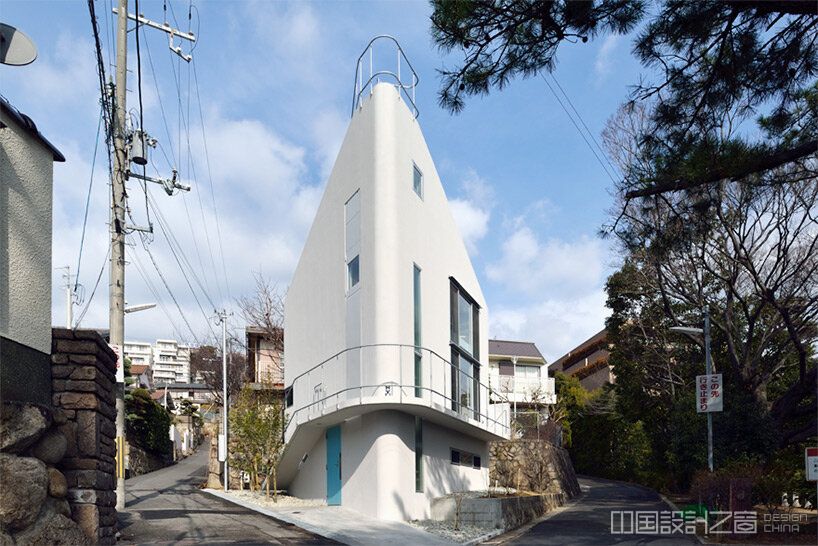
{"points": [[386, 346]]}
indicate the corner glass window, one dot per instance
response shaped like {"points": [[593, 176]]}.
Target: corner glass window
{"points": [[465, 332], [353, 273], [417, 181]]}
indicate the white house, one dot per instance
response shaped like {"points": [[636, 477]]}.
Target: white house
{"points": [[386, 327]]}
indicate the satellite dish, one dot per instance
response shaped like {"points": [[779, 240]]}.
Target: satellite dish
{"points": [[16, 48]]}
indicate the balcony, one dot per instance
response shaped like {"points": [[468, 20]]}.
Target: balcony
{"points": [[415, 380], [508, 388]]}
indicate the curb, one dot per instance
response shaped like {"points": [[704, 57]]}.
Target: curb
{"points": [[283, 518], [675, 508], [515, 533], [483, 538]]}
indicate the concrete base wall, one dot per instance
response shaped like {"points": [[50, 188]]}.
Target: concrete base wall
{"points": [[378, 466], [497, 513]]}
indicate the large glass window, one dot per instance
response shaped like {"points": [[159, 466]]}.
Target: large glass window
{"points": [[465, 342], [465, 332]]}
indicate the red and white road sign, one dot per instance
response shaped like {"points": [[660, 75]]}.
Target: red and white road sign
{"points": [[811, 457], [709, 393]]}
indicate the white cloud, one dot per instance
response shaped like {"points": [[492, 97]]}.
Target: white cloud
{"points": [[328, 129], [603, 64], [472, 211], [265, 202], [529, 266], [559, 285], [556, 325]]}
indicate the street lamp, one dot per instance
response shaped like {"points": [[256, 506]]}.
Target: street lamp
{"points": [[708, 363], [140, 307]]}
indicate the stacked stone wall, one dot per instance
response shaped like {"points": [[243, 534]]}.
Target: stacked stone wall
{"points": [[84, 396], [533, 465]]}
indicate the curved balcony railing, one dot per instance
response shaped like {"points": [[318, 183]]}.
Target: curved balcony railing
{"points": [[391, 372], [378, 75]]}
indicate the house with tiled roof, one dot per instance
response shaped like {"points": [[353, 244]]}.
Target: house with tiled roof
{"points": [[518, 374]]}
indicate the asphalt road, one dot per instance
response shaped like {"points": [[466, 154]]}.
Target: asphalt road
{"points": [[588, 521], [167, 507]]}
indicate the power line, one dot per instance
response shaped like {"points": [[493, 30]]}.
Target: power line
{"points": [[170, 237], [582, 121], [88, 200], [94, 291], [581, 133], [154, 292], [210, 178], [170, 292]]}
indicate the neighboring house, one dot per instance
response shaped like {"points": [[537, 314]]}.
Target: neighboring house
{"points": [[26, 188], [198, 393], [518, 374], [386, 327], [143, 376], [265, 357], [139, 352], [588, 362], [168, 359]]}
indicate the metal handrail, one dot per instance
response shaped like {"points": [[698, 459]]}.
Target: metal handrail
{"points": [[292, 419], [453, 369], [359, 85]]}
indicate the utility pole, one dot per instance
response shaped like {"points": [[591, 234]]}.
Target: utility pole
{"points": [[69, 297], [117, 283], [223, 320], [116, 311], [708, 363]]}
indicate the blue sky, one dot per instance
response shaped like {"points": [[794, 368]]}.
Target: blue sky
{"points": [[275, 84]]}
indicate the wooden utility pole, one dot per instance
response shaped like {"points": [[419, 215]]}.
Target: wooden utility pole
{"points": [[116, 314], [116, 286]]}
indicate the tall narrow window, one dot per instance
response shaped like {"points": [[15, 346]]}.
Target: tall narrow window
{"points": [[352, 236], [417, 181], [353, 273], [465, 343], [418, 455], [417, 337]]}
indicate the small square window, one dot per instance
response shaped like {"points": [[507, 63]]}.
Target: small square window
{"points": [[417, 183], [353, 272], [455, 456]]}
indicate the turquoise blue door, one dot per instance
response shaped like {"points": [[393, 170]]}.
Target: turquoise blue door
{"points": [[334, 465]]}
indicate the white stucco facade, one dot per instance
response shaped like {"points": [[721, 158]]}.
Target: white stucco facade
{"points": [[26, 167], [369, 326]]}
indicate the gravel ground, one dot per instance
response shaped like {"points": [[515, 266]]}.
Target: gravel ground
{"points": [[284, 501], [446, 530]]}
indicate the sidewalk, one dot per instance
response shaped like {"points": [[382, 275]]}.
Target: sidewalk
{"points": [[343, 525]]}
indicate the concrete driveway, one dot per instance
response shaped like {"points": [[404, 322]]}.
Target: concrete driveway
{"points": [[167, 507], [588, 520]]}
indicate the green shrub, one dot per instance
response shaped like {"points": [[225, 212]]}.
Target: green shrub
{"points": [[147, 423]]}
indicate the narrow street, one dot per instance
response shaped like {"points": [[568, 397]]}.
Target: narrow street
{"points": [[588, 521], [167, 507]]}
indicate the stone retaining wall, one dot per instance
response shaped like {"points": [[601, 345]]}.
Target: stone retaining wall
{"points": [[533, 465], [84, 397]]}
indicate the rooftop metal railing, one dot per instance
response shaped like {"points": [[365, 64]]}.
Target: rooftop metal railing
{"points": [[378, 75], [405, 373]]}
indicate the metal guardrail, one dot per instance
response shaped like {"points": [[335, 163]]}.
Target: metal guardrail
{"points": [[417, 373], [406, 89]]}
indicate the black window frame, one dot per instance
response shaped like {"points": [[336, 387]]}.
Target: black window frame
{"points": [[458, 352], [459, 457]]}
